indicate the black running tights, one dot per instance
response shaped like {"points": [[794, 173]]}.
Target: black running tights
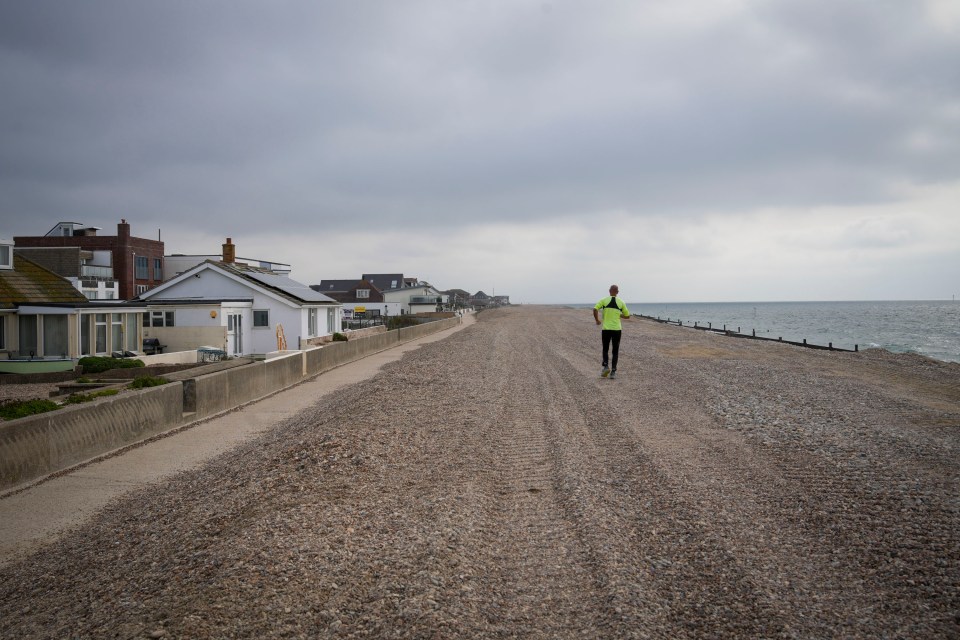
{"points": [[608, 336]]}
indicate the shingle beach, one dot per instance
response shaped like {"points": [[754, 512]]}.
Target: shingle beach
{"points": [[492, 485]]}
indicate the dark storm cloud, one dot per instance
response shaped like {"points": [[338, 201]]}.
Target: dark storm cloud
{"points": [[365, 113]]}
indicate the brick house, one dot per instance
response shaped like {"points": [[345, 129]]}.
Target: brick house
{"points": [[137, 262]]}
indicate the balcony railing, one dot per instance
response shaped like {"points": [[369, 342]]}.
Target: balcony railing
{"points": [[95, 272]]}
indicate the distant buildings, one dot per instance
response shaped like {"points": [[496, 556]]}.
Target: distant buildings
{"points": [[135, 263]]}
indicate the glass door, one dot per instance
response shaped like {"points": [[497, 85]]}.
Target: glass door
{"points": [[235, 334]]}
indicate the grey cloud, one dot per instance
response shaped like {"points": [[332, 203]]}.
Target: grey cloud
{"points": [[361, 113]]}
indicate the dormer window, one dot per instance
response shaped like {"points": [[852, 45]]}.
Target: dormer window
{"points": [[6, 255], [363, 293]]}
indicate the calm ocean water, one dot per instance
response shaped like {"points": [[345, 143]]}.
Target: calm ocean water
{"points": [[930, 328]]}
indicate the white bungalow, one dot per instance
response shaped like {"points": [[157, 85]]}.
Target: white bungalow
{"points": [[242, 309]]}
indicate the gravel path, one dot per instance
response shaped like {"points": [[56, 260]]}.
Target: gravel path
{"points": [[492, 485]]}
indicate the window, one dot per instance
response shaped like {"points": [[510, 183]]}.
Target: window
{"points": [[261, 318], [85, 335], [158, 269], [28, 335], [132, 332], [3, 332], [159, 319], [6, 258], [311, 322], [116, 332], [141, 288], [55, 335], [101, 332], [142, 268], [363, 293]]}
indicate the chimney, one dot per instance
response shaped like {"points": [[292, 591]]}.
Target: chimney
{"points": [[229, 251], [123, 229]]}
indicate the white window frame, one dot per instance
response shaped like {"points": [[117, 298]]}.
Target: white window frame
{"points": [[363, 293], [313, 318]]}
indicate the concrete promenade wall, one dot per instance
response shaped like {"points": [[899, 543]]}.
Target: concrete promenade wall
{"points": [[210, 394], [175, 357], [38, 445]]}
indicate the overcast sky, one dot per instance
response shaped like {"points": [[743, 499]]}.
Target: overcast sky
{"points": [[705, 150]]}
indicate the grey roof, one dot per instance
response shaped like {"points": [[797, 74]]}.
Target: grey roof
{"points": [[382, 281], [335, 285]]}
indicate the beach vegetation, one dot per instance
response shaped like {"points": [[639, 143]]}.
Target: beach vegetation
{"points": [[144, 382], [79, 398], [23, 408], [98, 364]]}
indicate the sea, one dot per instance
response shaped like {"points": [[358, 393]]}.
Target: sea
{"points": [[927, 327]]}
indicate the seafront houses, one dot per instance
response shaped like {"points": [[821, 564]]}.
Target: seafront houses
{"points": [[360, 298], [419, 298], [480, 300], [457, 298], [389, 294], [137, 263], [242, 309], [46, 324], [388, 281]]}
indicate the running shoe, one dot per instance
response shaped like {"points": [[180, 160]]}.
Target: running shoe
{"points": [[605, 372], [613, 374]]}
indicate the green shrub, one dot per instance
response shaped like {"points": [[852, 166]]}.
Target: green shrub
{"points": [[147, 381], [97, 364], [83, 379], [398, 322], [77, 398], [23, 408], [339, 337]]}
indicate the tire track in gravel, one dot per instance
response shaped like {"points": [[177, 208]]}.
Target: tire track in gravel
{"points": [[546, 582], [652, 532]]}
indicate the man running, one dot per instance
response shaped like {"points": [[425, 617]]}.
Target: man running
{"points": [[612, 309]]}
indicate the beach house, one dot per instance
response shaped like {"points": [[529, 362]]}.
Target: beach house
{"points": [[241, 309], [46, 324]]}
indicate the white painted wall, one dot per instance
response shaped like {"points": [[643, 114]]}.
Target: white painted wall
{"points": [[213, 285]]}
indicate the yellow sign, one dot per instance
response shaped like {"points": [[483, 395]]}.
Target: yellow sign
{"points": [[360, 309]]}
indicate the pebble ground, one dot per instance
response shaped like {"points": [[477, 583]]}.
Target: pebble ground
{"points": [[492, 485]]}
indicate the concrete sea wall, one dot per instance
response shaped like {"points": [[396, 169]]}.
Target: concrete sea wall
{"points": [[44, 443], [39, 445]]}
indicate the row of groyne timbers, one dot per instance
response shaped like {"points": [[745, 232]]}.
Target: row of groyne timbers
{"points": [[750, 336]]}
